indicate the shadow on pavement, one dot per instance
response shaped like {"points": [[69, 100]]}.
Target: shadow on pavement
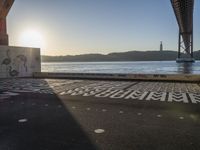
{"points": [[35, 121]]}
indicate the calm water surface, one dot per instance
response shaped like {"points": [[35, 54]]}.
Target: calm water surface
{"points": [[161, 67]]}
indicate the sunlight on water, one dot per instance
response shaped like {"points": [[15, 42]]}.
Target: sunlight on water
{"points": [[161, 67]]}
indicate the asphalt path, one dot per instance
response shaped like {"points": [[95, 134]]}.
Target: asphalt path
{"points": [[38, 121]]}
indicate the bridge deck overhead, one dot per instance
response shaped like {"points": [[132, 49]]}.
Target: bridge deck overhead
{"points": [[184, 14], [5, 6]]}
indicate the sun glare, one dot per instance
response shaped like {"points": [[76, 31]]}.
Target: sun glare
{"points": [[31, 38]]}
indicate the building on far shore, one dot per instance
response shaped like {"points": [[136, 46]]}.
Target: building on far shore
{"points": [[161, 46]]}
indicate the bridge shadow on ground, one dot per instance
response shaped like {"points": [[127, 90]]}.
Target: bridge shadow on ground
{"points": [[35, 121]]}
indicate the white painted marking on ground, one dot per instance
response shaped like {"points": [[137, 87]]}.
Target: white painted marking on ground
{"points": [[181, 118], [88, 109], [104, 110], [36, 90], [106, 93], [195, 98], [157, 96], [178, 97], [121, 112], [63, 93], [159, 116], [11, 93], [120, 94], [99, 131], [22, 120]]}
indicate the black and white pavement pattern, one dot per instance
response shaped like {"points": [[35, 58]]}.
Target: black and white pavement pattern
{"points": [[148, 91]]}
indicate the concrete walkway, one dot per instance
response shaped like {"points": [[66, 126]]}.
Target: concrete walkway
{"points": [[47, 114]]}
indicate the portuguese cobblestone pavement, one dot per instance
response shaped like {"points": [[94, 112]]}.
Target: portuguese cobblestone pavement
{"points": [[131, 90]]}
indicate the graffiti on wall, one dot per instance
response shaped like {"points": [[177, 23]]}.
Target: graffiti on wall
{"points": [[16, 62], [16, 65]]}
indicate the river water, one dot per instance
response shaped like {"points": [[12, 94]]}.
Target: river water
{"points": [[157, 67]]}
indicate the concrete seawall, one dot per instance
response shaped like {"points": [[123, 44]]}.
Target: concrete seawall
{"points": [[144, 77]]}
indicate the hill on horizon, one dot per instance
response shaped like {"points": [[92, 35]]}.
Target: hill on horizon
{"points": [[120, 56]]}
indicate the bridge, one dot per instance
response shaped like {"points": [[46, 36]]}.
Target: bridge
{"points": [[5, 6], [183, 10]]}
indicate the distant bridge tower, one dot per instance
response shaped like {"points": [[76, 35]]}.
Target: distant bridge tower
{"points": [[183, 10], [161, 46], [5, 6]]}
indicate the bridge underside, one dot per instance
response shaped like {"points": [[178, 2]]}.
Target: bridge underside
{"points": [[183, 10]]}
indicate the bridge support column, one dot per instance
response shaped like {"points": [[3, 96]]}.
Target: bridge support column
{"points": [[185, 51], [3, 32]]}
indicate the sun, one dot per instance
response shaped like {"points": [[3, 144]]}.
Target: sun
{"points": [[31, 38]]}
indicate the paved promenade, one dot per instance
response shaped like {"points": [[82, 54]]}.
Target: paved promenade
{"points": [[60, 114]]}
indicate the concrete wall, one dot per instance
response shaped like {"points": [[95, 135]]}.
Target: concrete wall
{"points": [[19, 61]]}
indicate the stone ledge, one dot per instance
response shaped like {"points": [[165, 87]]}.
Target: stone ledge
{"points": [[145, 77]]}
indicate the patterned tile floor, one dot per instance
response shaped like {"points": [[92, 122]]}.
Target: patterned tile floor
{"points": [[132, 90]]}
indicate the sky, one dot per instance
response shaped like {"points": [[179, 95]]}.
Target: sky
{"points": [[71, 27]]}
